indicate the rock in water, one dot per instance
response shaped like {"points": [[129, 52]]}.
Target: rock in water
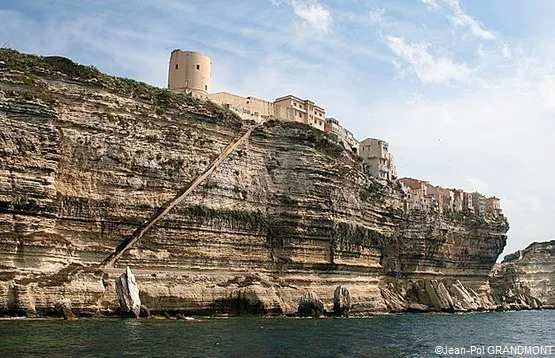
{"points": [[417, 307], [127, 290], [341, 301], [310, 305], [31, 313], [145, 312], [66, 311]]}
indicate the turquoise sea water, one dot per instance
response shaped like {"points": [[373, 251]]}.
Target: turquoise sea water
{"points": [[395, 335]]}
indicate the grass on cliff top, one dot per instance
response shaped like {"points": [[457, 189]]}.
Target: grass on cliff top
{"points": [[56, 66]]}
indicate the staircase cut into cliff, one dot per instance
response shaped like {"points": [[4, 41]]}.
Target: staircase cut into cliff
{"points": [[167, 207]]}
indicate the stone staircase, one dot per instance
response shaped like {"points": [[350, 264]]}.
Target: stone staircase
{"points": [[141, 231]]}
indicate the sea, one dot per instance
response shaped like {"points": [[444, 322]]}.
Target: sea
{"points": [[491, 334]]}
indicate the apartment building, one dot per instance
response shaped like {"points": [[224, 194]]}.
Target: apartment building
{"points": [[378, 159], [341, 135], [293, 108]]}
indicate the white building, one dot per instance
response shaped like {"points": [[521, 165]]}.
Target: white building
{"points": [[378, 159]]}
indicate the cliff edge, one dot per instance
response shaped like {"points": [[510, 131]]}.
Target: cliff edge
{"points": [[87, 158]]}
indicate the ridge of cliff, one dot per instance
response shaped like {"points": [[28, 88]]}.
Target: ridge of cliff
{"points": [[87, 158]]}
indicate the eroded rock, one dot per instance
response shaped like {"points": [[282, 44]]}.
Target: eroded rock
{"points": [[524, 280], [127, 290], [66, 311], [341, 301], [30, 313], [144, 312], [417, 307], [310, 305]]}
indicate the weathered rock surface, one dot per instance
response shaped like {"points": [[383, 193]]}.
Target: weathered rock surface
{"points": [[526, 279], [144, 312], [341, 301], [85, 158], [66, 311], [445, 295], [310, 305], [127, 290]]}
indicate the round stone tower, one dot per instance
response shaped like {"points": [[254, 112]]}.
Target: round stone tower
{"points": [[189, 72]]}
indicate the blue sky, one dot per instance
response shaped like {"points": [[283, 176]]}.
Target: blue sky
{"points": [[464, 90]]}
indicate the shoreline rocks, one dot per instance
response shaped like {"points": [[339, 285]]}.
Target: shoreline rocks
{"points": [[310, 305], [341, 302], [127, 290]]}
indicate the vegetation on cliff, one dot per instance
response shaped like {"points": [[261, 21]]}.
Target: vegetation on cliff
{"points": [[32, 68]]}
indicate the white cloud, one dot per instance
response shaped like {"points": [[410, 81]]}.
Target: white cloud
{"points": [[461, 18], [431, 3], [376, 15], [507, 52], [428, 68], [315, 15]]}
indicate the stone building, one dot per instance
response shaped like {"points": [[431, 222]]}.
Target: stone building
{"points": [[417, 202], [417, 195], [246, 107], [467, 202], [493, 206], [291, 108], [342, 135], [421, 195], [189, 72], [378, 159], [479, 203], [416, 186], [434, 194], [458, 200], [447, 199]]}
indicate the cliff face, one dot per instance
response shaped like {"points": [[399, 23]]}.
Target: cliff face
{"points": [[86, 158], [526, 278]]}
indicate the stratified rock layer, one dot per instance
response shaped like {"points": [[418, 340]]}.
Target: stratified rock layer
{"points": [[526, 279], [86, 158]]}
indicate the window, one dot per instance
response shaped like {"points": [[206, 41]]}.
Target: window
{"points": [[294, 104], [206, 87], [198, 67], [176, 66]]}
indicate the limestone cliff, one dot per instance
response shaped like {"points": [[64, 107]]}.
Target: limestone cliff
{"points": [[526, 279], [86, 158]]}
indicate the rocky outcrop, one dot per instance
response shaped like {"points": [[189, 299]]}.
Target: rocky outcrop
{"points": [[127, 290], [433, 295], [144, 312], [341, 302], [310, 305], [66, 311], [86, 159], [526, 279]]}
